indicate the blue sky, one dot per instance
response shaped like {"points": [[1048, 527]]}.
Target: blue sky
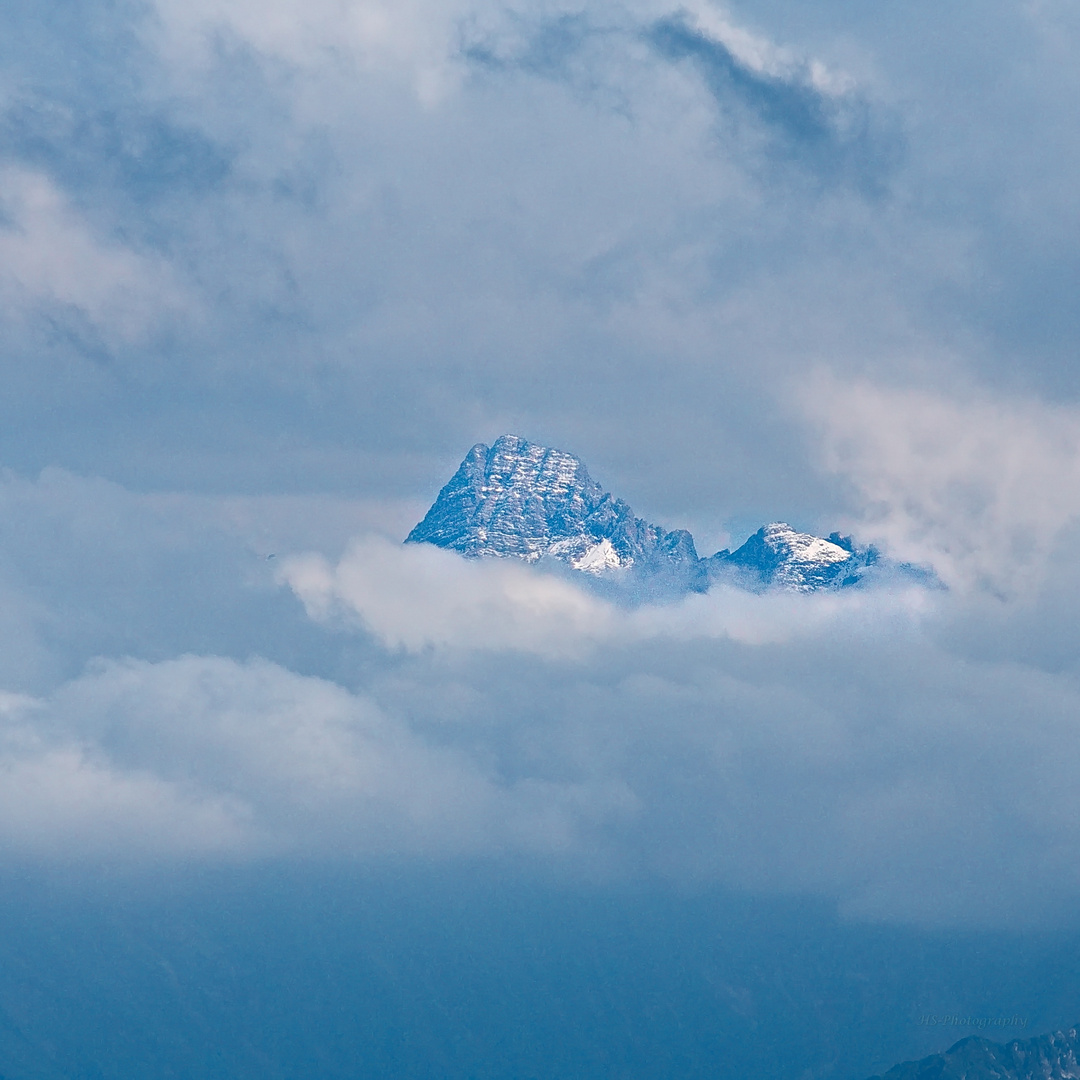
{"points": [[267, 270]]}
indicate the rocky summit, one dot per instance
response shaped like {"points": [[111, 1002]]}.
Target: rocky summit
{"points": [[516, 498], [519, 499], [779, 557]]}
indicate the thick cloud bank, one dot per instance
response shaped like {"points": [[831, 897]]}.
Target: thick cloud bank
{"points": [[909, 754], [981, 489], [856, 745], [268, 269], [208, 756]]}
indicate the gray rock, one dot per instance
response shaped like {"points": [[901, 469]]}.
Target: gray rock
{"points": [[518, 499], [779, 557]]}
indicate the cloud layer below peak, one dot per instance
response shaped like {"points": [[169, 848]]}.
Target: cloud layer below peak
{"points": [[267, 269]]}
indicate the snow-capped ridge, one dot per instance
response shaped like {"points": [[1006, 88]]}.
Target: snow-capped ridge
{"points": [[778, 556], [600, 557], [518, 499]]}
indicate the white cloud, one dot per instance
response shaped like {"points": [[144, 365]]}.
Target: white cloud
{"points": [[762, 56], [414, 39], [50, 259], [420, 40], [417, 596], [980, 488], [61, 796], [845, 746], [596, 260], [754, 51], [204, 755]]}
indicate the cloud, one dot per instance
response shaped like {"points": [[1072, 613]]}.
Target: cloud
{"points": [[207, 756], [869, 748], [852, 748], [756, 54], [61, 796], [980, 487], [547, 237], [552, 225], [417, 596], [604, 239], [863, 763], [414, 39], [54, 263], [818, 114]]}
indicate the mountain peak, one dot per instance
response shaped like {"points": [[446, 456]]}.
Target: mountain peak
{"points": [[517, 498], [778, 556], [523, 500]]}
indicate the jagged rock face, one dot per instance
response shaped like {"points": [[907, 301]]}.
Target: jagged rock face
{"points": [[1047, 1057], [777, 556], [519, 499]]}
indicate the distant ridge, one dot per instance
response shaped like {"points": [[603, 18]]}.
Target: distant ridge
{"points": [[519, 499], [1045, 1057]]}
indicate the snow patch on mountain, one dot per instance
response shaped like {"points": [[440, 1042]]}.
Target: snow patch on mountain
{"points": [[778, 556], [598, 558]]}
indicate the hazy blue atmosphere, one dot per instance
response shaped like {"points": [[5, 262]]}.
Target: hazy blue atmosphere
{"points": [[282, 797]]}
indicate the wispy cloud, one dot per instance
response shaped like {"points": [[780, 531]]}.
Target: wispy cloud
{"points": [[981, 487], [52, 264], [812, 115]]}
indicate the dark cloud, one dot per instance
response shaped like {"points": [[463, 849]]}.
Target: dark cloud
{"points": [[102, 154], [834, 135]]}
